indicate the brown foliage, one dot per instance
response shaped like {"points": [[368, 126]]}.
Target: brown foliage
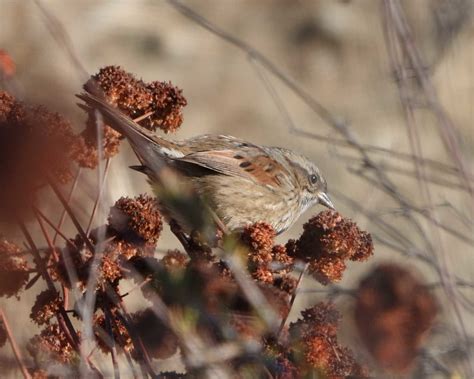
{"points": [[394, 311]]}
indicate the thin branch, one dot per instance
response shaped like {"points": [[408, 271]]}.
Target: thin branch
{"points": [[292, 300], [62, 218], [99, 196]]}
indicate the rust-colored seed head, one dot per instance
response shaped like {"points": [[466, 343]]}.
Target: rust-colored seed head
{"points": [[175, 259], [13, 268], [167, 103], [286, 283], [109, 271], [259, 238], [46, 306], [394, 311], [136, 220], [315, 337], [53, 342], [136, 98], [74, 258], [280, 255], [327, 241], [327, 269], [119, 333]]}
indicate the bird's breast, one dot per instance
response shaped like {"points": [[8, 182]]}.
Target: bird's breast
{"points": [[239, 202]]}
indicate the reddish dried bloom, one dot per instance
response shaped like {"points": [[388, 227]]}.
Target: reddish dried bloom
{"points": [[34, 142], [322, 317], [259, 237], [124, 250], [263, 274], [136, 220], [158, 340], [280, 255], [46, 306], [109, 270], [85, 155], [166, 105], [119, 334], [286, 283], [123, 90], [327, 269], [13, 269], [315, 337], [327, 241], [174, 259], [74, 259], [136, 98], [109, 137], [53, 342], [394, 311]]}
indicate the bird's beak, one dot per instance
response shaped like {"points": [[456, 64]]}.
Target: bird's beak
{"points": [[324, 199]]}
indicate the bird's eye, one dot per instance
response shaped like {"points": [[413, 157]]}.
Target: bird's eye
{"points": [[313, 179]]}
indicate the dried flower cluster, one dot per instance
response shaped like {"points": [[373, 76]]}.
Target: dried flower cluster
{"points": [[314, 338], [111, 332], [34, 143], [13, 268], [136, 220], [155, 105], [52, 343], [394, 311], [133, 230], [46, 306], [267, 262], [328, 240]]}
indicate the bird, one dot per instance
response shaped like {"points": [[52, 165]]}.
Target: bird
{"points": [[243, 183]]}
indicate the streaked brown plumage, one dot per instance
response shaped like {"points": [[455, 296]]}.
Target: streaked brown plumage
{"points": [[243, 183]]}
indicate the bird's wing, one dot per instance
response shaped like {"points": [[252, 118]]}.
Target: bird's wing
{"points": [[251, 163]]}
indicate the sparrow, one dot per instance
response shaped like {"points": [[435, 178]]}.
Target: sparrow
{"points": [[242, 182]]}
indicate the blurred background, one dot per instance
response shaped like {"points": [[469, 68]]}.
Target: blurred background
{"points": [[336, 50]]}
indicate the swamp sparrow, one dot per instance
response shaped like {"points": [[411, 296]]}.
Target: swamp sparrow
{"points": [[243, 183]]}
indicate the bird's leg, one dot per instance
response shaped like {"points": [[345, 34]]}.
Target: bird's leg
{"points": [[182, 237]]}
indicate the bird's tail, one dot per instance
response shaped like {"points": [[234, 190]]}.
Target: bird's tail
{"points": [[149, 148]]}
